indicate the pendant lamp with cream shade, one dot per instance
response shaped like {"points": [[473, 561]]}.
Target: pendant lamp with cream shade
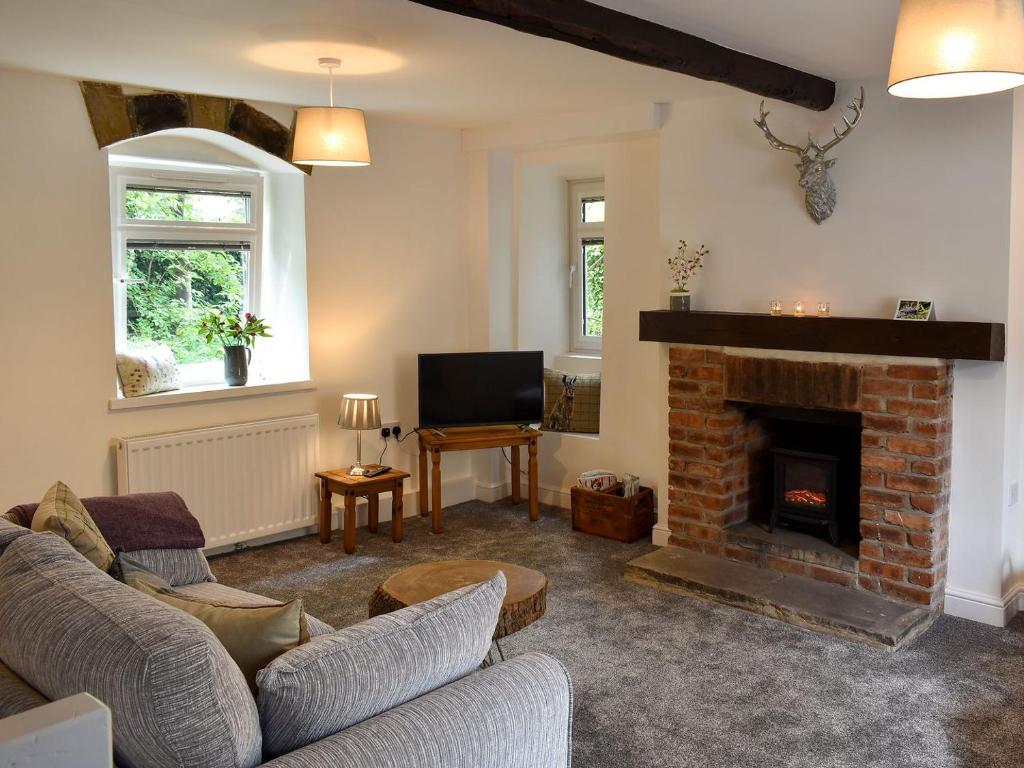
{"points": [[330, 135], [950, 48]]}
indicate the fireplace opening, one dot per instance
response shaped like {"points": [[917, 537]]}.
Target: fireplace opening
{"points": [[805, 490], [806, 474]]}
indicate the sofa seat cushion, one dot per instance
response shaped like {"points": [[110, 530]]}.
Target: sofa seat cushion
{"points": [[62, 513], [176, 696], [335, 681]]}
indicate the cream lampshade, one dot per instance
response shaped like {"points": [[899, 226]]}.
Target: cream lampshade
{"points": [[359, 412], [330, 135], [950, 48]]}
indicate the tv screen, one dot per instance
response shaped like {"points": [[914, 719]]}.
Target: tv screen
{"points": [[476, 388]]}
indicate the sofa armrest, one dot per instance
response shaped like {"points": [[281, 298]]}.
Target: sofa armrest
{"points": [[17, 696], [517, 714]]}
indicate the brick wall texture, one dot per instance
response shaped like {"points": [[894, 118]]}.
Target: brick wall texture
{"points": [[714, 450]]}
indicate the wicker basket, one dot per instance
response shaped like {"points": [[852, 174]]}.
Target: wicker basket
{"points": [[609, 514]]}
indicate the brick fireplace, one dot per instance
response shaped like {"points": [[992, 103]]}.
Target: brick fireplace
{"points": [[721, 435]]}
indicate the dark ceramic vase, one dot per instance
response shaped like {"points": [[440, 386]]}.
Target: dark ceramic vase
{"points": [[236, 365]]}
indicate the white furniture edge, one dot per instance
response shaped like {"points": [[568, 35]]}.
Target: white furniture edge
{"points": [[69, 733]]}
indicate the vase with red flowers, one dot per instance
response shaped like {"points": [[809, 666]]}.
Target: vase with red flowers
{"points": [[238, 334]]}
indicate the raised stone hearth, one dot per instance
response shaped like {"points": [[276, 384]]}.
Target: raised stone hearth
{"points": [[896, 539]]}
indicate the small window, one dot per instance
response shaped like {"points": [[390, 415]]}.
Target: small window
{"points": [[184, 245], [586, 265]]}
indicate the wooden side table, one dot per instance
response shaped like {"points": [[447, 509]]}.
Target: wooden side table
{"points": [[436, 442], [351, 487]]}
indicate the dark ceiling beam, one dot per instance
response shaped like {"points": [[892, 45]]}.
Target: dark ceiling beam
{"points": [[634, 39]]}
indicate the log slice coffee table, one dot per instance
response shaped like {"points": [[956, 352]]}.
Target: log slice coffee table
{"points": [[525, 596]]}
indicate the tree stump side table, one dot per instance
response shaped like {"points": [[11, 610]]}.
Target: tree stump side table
{"points": [[525, 596]]}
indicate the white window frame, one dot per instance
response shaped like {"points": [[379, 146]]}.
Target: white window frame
{"points": [[580, 231], [189, 177]]}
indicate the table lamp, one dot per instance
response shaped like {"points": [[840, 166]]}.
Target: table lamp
{"points": [[359, 412]]}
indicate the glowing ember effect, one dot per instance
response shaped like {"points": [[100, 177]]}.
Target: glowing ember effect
{"points": [[806, 496]]}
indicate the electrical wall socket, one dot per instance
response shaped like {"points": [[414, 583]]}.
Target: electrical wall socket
{"points": [[389, 425]]}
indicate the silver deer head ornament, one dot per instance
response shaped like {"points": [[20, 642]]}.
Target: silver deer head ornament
{"points": [[819, 189]]}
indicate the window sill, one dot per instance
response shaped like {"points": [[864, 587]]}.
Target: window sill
{"points": [[208, 392], [578, 362]]}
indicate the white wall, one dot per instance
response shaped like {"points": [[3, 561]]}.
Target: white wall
{"points": [[386, 280], [633, 436], [1013, 527]]}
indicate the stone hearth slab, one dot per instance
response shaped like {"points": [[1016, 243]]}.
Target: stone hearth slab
{"points": [[852, 614]]}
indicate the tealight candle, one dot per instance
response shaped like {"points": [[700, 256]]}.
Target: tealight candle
{"points": [[824, 309], [798, 309], [774, 307]]}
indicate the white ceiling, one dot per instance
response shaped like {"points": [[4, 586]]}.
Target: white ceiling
{"points": [[407, 60]]}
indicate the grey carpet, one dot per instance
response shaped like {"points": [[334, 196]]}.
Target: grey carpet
{"points": [[666, 680]]}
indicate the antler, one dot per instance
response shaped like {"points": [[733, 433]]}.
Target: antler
{"points": [[857, 105], [762, 123]]}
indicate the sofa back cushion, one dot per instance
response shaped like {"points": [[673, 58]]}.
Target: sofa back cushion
{"points": [[176, 696], [335, 681], [137, 521], [9, 532]]}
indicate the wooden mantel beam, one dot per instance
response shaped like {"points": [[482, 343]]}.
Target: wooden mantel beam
{"points": [[618, 34]]}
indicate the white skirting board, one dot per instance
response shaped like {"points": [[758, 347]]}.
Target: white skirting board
{"points": [[546, 494], [986, 609]]}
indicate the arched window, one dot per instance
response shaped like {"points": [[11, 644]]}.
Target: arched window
{"points": [[194, 228]]}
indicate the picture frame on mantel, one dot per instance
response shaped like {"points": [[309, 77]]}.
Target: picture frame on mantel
{"points": [[916, 310]]}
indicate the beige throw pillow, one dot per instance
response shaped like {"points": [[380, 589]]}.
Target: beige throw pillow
{"points": [[147, 370], [252, 636], [62, 513]]}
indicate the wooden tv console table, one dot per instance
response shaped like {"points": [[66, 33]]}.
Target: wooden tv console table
{"points": [[435, 442]]}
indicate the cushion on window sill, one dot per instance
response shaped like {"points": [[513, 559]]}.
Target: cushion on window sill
{"points": [[584, 405], [147, 370]]}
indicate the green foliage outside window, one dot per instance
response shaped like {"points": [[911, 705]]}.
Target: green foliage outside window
{"points": [[176, 287], [593, 288]]}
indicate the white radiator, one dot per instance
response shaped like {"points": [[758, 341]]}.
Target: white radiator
{"points": [[242, 481]]}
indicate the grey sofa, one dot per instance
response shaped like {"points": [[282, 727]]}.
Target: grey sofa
{"points": [[67, 625]]}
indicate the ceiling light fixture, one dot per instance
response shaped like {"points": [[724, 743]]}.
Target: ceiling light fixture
{"points": [[330, 135], [950, 48]]}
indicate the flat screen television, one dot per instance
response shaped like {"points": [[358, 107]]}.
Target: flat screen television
{"points": [[466, 389]]}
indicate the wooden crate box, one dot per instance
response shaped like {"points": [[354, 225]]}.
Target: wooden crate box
{"points": [[609, 514]]}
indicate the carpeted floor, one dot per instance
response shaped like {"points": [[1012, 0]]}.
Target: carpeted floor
{"points": [[666, 680]]}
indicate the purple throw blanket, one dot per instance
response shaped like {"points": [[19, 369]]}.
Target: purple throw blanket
{"points": [[138, 521]]}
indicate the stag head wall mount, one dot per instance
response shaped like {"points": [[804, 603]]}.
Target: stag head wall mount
{"points": [[819, 189]]}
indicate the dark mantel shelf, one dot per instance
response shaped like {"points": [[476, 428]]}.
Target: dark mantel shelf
{"points": [[851, 335]]}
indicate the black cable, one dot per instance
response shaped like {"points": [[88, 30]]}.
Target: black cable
{"points": [[509, 460], [383, 451]]}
